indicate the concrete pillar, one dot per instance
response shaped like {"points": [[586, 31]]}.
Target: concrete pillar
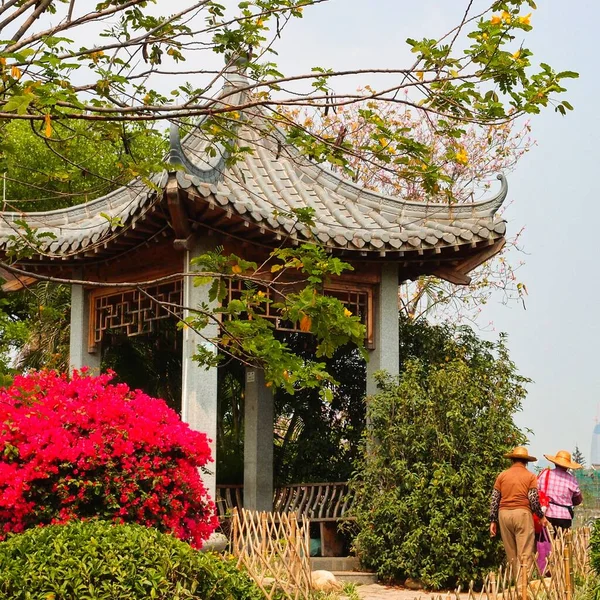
{"points": [[258, 442], [78, 343], [199, 385], [386, 355]]}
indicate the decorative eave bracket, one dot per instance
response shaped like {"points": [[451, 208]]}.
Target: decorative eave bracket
{"points": [[458, 275], [178, 215]]}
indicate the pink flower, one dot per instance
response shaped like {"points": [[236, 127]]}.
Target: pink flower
{"points": [[83, 446]]}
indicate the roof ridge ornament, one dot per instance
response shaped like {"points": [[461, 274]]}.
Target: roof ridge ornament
{"points": [[235, 74]]}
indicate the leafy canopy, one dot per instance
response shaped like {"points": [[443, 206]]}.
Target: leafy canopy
{"points": [[75, 86]]}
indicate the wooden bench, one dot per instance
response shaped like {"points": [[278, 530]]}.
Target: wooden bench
{"points": [[324, 503]]}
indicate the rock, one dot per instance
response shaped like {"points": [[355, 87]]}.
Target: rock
{"points": [[325, 581], [413, 584], [267, 581], [217, 542]]}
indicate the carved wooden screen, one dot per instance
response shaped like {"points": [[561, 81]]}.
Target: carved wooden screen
{"points": [[356, 297], [136, 311], [133, 311]]}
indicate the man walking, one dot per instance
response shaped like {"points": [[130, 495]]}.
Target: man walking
{"points": [[514, 500]]}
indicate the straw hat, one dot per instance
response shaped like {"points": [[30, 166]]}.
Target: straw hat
{"points": [[521, 453], [563, 459]]}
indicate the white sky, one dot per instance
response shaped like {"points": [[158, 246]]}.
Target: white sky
{"points": [[554, 341]]}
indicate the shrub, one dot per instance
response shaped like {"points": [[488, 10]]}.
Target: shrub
{"points": [[81, 447], [98, 560], [429, 460], [595, 547]]}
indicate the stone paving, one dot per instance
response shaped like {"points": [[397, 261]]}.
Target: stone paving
{"points": [[376, 591]]}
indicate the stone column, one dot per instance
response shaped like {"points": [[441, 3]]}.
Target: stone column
{"points": [[386, 355], [258, 442], [199, 385], [79, 334]]}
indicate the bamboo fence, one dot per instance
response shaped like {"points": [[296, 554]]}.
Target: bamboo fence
{"points": [[274, 549], [567, 563]]}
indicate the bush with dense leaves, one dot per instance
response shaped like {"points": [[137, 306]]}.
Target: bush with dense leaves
{"points": [[430, 456], [80, 447], [595, 548], [98, 560]]}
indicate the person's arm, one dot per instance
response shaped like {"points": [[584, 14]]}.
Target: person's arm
{"points": [[494, 507], [536, 507], [577, 497]]}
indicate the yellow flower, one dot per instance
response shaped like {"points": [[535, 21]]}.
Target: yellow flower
{"points": [[48, 126], [15, 72], [526, 20], [260, 294], [95, 56], [420, 75], [516, 54], [461, 156], [506, 16], [496, 19], [236, 269], [305, 323], [347, 312], [485, 36]]}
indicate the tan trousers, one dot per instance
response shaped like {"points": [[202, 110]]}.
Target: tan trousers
{"points": [[518, 536]]}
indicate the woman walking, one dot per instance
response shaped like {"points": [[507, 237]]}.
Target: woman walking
{"points": [[562, 490]]}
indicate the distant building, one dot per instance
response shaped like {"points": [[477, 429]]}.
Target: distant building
{"points": [[595, 454]]}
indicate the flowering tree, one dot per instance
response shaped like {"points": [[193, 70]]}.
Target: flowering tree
{"points": [[467, 164], [81, 447], [118, 84]]}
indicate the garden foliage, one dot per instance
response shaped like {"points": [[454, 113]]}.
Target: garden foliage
{"points": [[98, 560], [595, 548], [429, 459], [81, 447]]}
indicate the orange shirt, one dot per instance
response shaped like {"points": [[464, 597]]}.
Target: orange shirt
{"points": [[514, 485]]}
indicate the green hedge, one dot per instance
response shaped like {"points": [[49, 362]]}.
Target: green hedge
{"points": [[97, 560]]}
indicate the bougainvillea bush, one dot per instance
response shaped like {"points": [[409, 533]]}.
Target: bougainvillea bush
{"points": [[82, 447]]}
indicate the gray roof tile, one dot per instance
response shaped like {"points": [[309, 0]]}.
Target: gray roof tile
{"points": [[274, 177]]}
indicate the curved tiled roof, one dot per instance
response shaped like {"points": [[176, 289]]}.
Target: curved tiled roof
{"points": [[264, 186], [261, 188], [81, 228]]}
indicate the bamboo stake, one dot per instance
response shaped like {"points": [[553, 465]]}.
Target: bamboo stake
{"points": [[524, 578], [568, 566]]}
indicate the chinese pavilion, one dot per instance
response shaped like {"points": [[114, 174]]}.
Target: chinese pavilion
{"points": [[146, 235]]}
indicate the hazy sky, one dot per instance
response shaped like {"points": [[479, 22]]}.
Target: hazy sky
{"points": [[552, 192]]}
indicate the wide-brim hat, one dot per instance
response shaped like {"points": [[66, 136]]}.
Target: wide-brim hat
{"points": [[563, 459], [521, 453]]}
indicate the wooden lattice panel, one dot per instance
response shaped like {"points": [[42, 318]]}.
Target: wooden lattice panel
{"points": [[358, 299], [135, 311]]}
